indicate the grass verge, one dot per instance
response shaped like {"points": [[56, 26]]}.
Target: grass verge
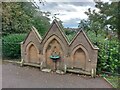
{"points": [[114, 81]]}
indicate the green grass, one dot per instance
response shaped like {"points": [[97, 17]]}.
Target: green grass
{"points": [[114, 80]]}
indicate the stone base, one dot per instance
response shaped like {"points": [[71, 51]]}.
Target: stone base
{"points": [[46, 70], [78, 71], [60, 72]]}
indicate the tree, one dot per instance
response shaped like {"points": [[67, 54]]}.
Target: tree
{"points": [[104, 23], [106, 19], [18, 17], [41, 23], [85, 25]]}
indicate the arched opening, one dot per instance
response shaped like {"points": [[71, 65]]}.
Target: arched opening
{"points": [[79, 59], [33, 54], [53, 47]]}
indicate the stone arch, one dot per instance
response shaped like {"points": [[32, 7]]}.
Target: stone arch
{"points": [[32, 53], [53, 44], [79, 57]]}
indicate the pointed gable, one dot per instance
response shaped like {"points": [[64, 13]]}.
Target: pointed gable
{"points": [[55, 29], [37, 34], [82, 38], [33, 33]]}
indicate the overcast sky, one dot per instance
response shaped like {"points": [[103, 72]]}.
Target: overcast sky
{"points": [[69, 12]]}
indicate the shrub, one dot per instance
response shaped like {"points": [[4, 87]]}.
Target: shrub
{"points": [[108, 54], [11, 46], [108, 57]]}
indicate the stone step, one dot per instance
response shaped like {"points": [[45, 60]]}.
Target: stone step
{"points": [[32, 64], [60, 72], [46, 70], [78, 71]]}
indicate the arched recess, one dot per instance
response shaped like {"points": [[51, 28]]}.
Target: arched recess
{"points": [[32, 53], [79, 57], [52, 45]]}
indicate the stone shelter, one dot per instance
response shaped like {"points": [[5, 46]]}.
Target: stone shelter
{"points": [[55, 52]]}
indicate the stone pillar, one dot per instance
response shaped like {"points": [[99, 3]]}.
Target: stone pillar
{"points": [[21, 50], [22, 55]]}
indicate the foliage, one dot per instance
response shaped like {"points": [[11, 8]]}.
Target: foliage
{"points": [[102, 28], [105, 19], [41, 23], [11, 45], [69, 33], [19, 17], [14, 18], [108, 55], [85, 25]]}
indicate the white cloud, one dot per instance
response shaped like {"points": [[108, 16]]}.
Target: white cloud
{"points": [[69, 11]]}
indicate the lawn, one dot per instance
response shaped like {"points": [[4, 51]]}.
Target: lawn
{"points": [[114, 80]]}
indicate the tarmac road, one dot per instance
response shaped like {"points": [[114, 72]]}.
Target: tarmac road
{"points": [[14, 76]]}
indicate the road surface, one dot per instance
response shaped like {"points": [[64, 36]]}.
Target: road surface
{"points": [[14, 76]]}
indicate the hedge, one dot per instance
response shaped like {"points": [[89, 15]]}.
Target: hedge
{"points": [[11, 46]]}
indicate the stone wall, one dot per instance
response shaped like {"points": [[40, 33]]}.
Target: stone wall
{"points": [[79, 53]]}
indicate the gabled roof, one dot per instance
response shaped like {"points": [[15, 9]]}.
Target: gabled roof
{"points": [[81, 31], [59, 28], [34, 30]]}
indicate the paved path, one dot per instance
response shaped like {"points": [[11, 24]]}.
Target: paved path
{"points": [[14, 76]]}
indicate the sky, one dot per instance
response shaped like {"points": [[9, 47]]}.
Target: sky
{"points": [[70, 13]]}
